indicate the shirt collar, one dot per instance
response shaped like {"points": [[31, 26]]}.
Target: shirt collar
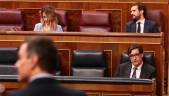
{"points": [[139, 67], [141, 21], [40, 75]]}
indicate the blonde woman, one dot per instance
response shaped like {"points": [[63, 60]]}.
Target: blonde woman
{"points": [[49, 21]]}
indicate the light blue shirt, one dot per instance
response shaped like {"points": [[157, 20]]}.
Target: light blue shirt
{"points": [[38, 28]]}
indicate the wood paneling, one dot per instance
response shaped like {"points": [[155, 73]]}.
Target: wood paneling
{"points": [[94, 0], [30, 17], [30, 13], [112, 43]]}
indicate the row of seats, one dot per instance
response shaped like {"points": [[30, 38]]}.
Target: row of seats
{"points": [[93, 63], [99, 21], [8, 57], [87, 63], [89, 21]]}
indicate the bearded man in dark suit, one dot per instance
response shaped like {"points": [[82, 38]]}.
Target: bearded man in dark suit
{"points": [[140, 23]]}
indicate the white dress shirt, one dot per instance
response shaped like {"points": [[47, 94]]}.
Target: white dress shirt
{"points": [[141, 25], [138, 71]]}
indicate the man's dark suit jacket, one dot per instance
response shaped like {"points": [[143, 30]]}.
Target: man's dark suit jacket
{"points": [[46, 87], [149, 27], [124, 70]]}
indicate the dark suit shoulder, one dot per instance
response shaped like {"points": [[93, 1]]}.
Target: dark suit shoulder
{"points": [[149, 66], [151, 26], [20, 92], [150, 22], [70, 92], [126, 64], [130, 22], [47, 87], [148, 71], [130, 26], [123, 70]]}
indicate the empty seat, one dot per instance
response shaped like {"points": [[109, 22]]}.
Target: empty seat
{"points": [[10, 19], [7, 70], [157, 17], [94, 21], [88, 63], [61, 14], [8, 57]]}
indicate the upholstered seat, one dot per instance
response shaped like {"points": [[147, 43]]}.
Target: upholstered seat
{"points": [[10, 19], [88, 63], [7, 70], [61, 14], [8, 57], [94, 21], [157, 17]]}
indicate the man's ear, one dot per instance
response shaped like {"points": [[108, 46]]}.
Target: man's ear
{"points": [[141, 11], [34, 60], [142, 55]]}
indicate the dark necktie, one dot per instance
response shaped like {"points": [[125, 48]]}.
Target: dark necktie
{"points": [[134, 72], [138, 28]]}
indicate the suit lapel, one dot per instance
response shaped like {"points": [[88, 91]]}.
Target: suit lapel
{"points": [[145, 26], [133, 27], [144, 73], [128, 70]]}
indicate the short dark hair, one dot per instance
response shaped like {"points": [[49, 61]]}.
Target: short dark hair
{"points": [[141, 6], [46, 51], [135, 46]]}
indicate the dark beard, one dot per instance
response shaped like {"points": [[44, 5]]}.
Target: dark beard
{"points": [[136, 18]]}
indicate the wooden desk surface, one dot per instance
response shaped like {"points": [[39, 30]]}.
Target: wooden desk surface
{"points": [[105, 37], [109, 86]]}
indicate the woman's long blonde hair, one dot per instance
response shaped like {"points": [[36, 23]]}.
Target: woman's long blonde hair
{"points": [[51, 15]]}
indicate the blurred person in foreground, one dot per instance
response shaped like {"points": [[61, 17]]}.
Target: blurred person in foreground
{"points": [[36, 64]]}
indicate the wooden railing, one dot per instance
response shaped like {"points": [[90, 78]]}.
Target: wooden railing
{"points": [[109, 86]]}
